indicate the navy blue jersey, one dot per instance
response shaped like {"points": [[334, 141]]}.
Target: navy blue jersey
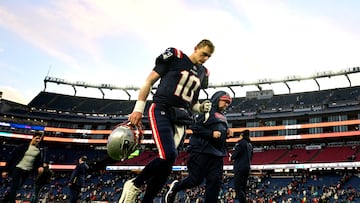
{"points": [[181, 80]]}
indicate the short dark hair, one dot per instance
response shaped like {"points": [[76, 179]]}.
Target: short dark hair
{"points": [[246, 135], [83, 158]]}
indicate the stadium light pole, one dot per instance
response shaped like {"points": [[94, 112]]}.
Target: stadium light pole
{"points": [[102, 92], [75, 91], [232, 91], [347, 76], [315, 79]]}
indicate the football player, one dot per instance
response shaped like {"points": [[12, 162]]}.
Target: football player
{"points": [[207, 149], [181, 78]]}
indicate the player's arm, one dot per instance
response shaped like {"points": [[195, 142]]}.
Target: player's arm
{"points": [[137, 114], [205, 81], [238, 150], [200, 131], [205, 106], [73, 177]]}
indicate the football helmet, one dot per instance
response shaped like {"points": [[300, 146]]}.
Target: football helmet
{"points": [[123, 140]]}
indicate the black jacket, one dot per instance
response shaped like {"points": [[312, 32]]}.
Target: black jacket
{"points": [[78, 175], [44, 177], [202, 140], [242, 155]]}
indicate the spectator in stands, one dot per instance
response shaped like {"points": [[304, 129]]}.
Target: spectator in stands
{"points": [[242, 156], [207, 150], [43, 178], [181, 78], [23, 160], [77, 179]]}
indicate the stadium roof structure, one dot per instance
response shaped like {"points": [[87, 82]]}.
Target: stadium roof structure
{"points": [[229, 84]]}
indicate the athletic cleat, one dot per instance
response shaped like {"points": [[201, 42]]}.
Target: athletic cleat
{"points": [[130, 192], [170, 195]]}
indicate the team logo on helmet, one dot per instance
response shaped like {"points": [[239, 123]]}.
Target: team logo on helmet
{"points": [[123, 140]]}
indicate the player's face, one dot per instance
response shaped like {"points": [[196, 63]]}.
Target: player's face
{"points": [[223, 104], [202, 54]]}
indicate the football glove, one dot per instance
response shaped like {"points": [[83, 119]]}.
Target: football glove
{"points": [[205, 106]]}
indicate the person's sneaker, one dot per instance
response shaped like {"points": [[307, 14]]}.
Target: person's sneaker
{"points": [[130, 192], [170, 195]]}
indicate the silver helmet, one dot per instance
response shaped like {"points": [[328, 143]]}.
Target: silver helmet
{"points": [[123, 140]]}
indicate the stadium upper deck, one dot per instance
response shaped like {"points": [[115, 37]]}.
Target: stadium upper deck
{"points": [[293, 119], [270, 115]]}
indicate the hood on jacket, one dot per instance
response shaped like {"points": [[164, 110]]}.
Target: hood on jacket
{"points": [[217, 96]]}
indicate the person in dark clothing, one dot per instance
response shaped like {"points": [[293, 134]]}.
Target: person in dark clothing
{"points": [[43, 178], [181, 79], [77, 179], [207, 150], [23, 160], [242, 157]]}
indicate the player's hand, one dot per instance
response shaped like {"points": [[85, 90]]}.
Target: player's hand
{"points": [[230, 133], [135, 118], [205, 106], [40, 170], [216, 134], [4, 174]]}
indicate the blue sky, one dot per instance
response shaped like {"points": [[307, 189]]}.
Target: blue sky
{"points": [[116, 42]]}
